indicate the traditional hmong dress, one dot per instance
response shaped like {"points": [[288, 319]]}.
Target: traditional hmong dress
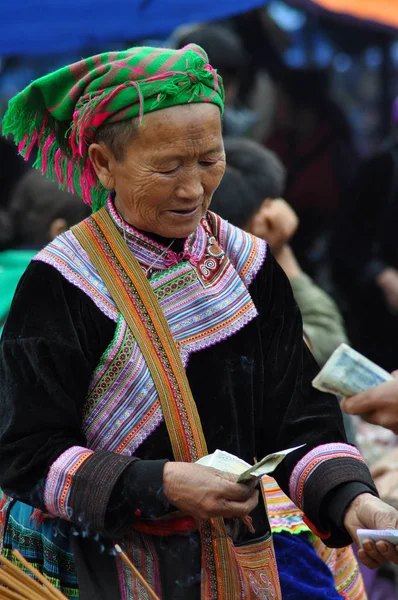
{"points": [[305, 576], [83, 440]]}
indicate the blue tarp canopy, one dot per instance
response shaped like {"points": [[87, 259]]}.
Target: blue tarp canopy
{"points": [[55, 26]]}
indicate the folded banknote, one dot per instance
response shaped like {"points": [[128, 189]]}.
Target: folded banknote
{"points": [[347, 373], [224, 461]]}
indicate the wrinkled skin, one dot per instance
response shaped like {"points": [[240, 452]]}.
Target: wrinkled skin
{"points": [[169, 171], [164, 184]]}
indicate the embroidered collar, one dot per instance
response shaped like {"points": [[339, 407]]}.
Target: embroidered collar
{"points": [[147, 250]]}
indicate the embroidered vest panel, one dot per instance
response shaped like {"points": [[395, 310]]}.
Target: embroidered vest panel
{"points": [[205, 300]]}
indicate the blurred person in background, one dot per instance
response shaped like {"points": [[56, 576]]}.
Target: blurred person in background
{"points": [[312, 138], [249, 196], [365, 256], [38, 211], [12, 167]]}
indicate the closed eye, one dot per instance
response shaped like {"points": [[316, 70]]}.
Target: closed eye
{"points": [[207, 163], [170, 171]]}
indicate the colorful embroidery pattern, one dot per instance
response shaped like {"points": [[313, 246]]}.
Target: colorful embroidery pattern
{"points": [[307, 465], [67, 256], [258, 564], [122, 408], [60, 479], [246, 252], [137, 302], [203, 299], [283, 514], [345, 569], [143, 555], [46, 547]]}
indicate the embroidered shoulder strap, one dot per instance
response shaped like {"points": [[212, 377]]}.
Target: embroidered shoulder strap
{"points": [[134, 297]]}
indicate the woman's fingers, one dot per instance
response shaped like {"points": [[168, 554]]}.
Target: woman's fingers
{"points": [[204, 492], [367, 560], [231, 509]]}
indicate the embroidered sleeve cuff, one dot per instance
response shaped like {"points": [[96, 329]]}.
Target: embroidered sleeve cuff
{"points": [[314, 480], [80, 483]]}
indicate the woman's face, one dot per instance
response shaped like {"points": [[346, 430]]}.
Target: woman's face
{"points": [[170, 170]]}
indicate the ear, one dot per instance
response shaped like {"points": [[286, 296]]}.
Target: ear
{"points": [[103, 163], [57, 227]]}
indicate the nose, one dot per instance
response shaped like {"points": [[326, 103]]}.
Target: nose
{"points": [[190, 186]]}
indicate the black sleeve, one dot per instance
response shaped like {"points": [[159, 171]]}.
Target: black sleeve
{"points": [[295, 413], [53, 339]]}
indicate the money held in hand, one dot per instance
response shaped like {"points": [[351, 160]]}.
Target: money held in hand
{"points": [[224, 461], [347, 373]]}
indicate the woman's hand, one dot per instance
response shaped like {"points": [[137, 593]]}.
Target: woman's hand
{"points": [[369, 512], [204, 492]]}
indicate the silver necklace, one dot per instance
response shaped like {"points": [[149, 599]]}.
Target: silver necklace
{"points": [[149, 269]]}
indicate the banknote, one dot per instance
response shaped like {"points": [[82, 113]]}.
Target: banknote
{"points": [[347, 373], [224, 461]]}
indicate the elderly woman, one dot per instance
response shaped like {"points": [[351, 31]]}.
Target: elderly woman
{"points": [[148, 336]]}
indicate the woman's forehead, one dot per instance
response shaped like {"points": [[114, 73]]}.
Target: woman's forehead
{"points": [[180, 131]]}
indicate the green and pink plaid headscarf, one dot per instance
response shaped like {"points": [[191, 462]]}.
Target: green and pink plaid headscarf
{"points": [[59, 113]]}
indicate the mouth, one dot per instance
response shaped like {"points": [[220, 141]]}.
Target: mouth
{"points": [[185, 212]]}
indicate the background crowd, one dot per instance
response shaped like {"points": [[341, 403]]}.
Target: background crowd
{"points": [[311, 137]]}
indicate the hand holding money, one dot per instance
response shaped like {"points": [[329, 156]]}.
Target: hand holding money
{"points": [[228, 463], [204, 492], [378, 405], [348, 373], [368, 390]]}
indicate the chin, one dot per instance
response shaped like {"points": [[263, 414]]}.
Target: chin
{"points": [[181, 228]]}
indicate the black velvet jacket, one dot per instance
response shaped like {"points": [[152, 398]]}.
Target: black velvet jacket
{"points": [[253, 392]]}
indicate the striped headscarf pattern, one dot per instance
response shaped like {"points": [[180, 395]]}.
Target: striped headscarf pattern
{"points": [[59, 114]]}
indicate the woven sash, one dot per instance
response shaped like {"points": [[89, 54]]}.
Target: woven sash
{"points": [[132, 293]]}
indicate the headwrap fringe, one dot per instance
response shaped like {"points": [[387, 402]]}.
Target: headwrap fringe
{"points": [[60, 126]]}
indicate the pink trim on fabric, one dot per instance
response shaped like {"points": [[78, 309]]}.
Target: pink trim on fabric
{"points": [[60, 480], [307, 465], [78, 281], [238, 244], [187, 349]]}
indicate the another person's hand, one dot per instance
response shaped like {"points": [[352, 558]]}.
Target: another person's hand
{"points": [[385, 475], [369, 512], [275, 222], [204, 492], [378, 405], [388, 282]]}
